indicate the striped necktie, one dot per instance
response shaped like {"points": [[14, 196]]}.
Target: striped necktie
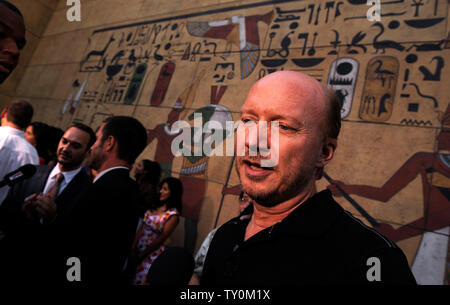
{"points": [[53, 192]]}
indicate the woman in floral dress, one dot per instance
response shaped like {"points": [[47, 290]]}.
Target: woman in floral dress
{"points": [[158, 224]]}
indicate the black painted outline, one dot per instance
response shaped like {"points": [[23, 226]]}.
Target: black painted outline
{"points": [[186, 16]]}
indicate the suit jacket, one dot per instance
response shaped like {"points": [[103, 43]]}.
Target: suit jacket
{"points": [[10, 211], [103, 226], [31, 247]]}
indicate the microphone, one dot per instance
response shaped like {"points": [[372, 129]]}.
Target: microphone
{"points": [[20, 174]]}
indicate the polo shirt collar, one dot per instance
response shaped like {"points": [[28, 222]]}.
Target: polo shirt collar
{"points": [[314, 217]]}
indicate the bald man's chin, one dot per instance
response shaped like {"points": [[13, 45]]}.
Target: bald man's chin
{"points": [[263, 197]]}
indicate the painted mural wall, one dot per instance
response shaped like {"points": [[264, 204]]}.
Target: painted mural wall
{"points": [[163, 62]]}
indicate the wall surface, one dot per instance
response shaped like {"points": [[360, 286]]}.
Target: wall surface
{"points": [[163, 60]]}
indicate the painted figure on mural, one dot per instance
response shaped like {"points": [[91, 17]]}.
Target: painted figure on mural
{"points": [[193, 173], [239, 30], [163, 132], [164, 135], [434, 169]]}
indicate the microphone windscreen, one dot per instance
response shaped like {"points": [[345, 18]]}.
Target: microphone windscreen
{"points": [[28, 170], [22, 173]]}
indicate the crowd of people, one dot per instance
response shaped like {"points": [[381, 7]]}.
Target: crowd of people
{"points": [[82, 203]]}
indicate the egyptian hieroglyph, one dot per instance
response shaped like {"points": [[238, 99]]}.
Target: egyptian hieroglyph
{"points": [[163, 61]]}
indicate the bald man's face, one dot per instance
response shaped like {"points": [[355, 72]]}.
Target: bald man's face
{"points": [[12, 40], [299, 108]]}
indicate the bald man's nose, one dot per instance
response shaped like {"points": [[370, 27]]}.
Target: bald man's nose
{"points": [[258, 139]]}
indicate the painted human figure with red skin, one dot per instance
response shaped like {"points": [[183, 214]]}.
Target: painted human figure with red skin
{"points": [[165, 136], [164, 133], [232, 190], [434, 170], [193, 173]]}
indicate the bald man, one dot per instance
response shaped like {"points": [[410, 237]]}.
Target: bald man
{"points": [[296, 235]]}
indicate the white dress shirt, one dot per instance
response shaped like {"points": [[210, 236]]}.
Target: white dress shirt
{"points": [[51, 180], [15, 151], [68, 176]]}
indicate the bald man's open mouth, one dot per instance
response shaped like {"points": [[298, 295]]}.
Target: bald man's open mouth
{"points": [[253, 168]]}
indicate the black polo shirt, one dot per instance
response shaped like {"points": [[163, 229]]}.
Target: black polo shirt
{"points": [[317, 243]]}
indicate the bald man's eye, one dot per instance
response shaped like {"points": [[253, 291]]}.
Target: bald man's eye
{"points": [[284, 126], [246, 121]]}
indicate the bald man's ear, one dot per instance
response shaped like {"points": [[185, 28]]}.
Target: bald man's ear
{"points": [[4, 112], [328, 149]]}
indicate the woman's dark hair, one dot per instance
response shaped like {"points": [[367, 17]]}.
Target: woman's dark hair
{"points": [[41, 134], [148, 184], [54, 136], [176, 193], [152, 172]]}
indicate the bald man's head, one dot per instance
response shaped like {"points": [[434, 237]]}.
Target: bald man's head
{"points": [[300, 86], [299, 83], [301, 143]]}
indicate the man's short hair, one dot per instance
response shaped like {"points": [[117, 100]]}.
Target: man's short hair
{"points": [[87, 129], [333, 119], [11, 7], [130, 135], [20, 113]]}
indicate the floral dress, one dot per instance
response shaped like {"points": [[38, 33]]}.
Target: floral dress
{"points": [[152, 228]]}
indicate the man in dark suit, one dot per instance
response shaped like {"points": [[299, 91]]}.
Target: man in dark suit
{"points": [[104, 220], [35, 209]]}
